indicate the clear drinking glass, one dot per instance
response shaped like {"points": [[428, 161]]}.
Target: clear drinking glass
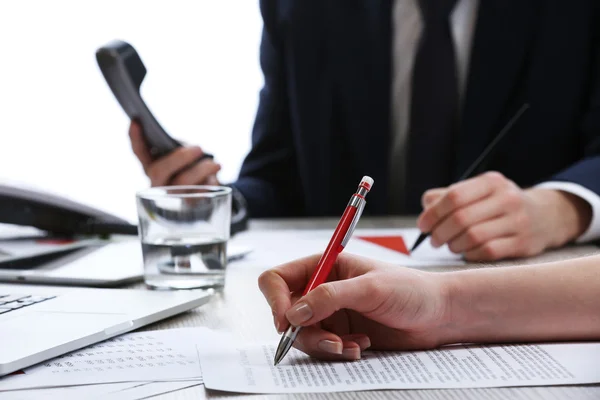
{"points": [[184, 232]]}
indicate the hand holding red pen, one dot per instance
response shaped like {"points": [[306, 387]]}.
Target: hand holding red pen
{"points": [[341, 235], [364, 304]]}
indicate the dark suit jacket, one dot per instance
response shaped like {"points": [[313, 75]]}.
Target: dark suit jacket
{"points": [[324, 115]]}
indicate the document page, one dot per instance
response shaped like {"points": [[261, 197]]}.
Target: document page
{"points": [[272, 248], [87, 392], [145, 356], [112, 391], [250, 369]]}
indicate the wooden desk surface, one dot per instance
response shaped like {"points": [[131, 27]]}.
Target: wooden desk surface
{"points": [[241, 309]]}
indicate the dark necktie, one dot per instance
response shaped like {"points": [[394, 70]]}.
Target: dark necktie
{"points": [[434, 105]]}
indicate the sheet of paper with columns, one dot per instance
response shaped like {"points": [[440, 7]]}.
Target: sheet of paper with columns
{"points": [[242, 367]]}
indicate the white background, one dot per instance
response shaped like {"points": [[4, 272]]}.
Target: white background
{"points": [[61, 129]]}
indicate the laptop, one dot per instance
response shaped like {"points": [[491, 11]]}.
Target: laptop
{"points": [[38, 323], [92, 264]]}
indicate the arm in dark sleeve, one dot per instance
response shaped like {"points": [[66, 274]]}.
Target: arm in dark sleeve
{"points": [[586, 172], [268, 178], [583, 178]]}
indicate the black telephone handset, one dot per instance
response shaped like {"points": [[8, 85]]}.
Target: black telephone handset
{"points": [[124, 72]]}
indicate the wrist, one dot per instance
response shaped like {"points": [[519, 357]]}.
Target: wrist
{"points": [[568, 214], [455, 315], [474, 313]]}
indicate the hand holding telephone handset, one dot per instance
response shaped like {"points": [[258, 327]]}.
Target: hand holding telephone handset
{"points": [[124, 72]]}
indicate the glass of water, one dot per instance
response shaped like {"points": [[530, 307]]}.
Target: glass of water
{"points": [[184, 232]]}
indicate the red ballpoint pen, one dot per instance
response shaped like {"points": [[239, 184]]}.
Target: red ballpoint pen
{"points": [[336, 245]]}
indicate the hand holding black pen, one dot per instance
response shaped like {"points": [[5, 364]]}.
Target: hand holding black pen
{"points": [[479, 164]]}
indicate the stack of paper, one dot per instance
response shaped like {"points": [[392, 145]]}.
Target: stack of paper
{"points": [[113, 391], [155, 362], [138, 365], [249, 368]]}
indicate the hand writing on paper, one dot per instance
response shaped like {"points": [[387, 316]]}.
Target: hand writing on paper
{"points": [[366, 304], [489, 217], [175, 168]]}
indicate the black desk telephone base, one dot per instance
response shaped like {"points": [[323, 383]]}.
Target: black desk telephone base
{"points": [[57, 215], [63, 217]]}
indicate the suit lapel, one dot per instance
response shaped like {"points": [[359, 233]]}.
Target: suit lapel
{"points": [[503, 34]]}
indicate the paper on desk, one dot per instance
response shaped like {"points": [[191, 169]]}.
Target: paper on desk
{"points": [[146, 356], [249, 368], [151, 389], [113, 391], [277, 247], [70, 392]]}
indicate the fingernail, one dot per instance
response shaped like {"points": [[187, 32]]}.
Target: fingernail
{"points": [[298, 314], [277, 325], [351, 353], [364, 342], [434, 243], [330, 346]]}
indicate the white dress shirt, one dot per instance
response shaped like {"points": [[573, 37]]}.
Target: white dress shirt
{"points": [[407, 28]]}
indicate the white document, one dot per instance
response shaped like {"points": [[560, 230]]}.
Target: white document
{"points": [[112, 391], [146, 356], [150, 389], [272, 248], [69, 392], [249, 368]]}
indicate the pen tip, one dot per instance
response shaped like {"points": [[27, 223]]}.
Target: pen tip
{"points": [[284, 346], [420, 240]]}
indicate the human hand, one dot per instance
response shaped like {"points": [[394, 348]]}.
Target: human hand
{"points": [[176, 168], [489, 217], [365, 304]]}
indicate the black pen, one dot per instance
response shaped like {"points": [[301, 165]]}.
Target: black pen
{"points": [[484, 156]]}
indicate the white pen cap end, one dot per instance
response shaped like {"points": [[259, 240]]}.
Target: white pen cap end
{"points": [[367, 182]]}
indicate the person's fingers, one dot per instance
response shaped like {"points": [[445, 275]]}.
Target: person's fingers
{"points": [[361, 294], [138, 145], [460, 195], [212, 180], [463, 218], [431, 196], [361, 339], [319, 343], [351, 350], [197, 173], [278, 296], [326, 345], [506, 247], [277, 285], [161, 171], [476, 235], [280, 283]]}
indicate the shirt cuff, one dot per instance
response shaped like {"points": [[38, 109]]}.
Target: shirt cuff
{"points": [[593, 199]]}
